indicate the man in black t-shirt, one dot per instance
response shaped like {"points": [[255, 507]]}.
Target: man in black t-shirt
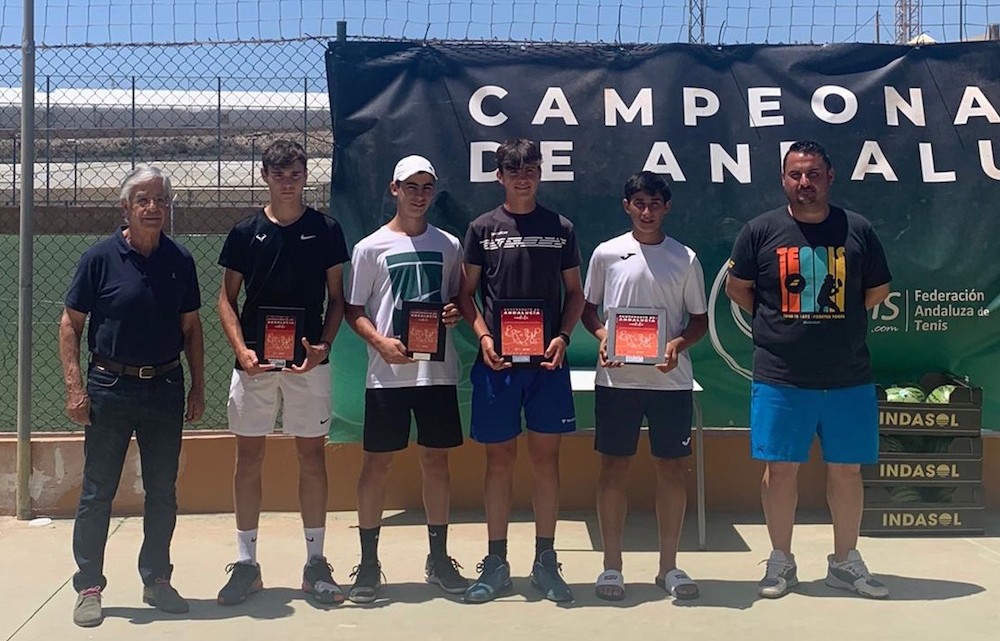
{"points": [[521, 251], [285, 256], [809, 273]]}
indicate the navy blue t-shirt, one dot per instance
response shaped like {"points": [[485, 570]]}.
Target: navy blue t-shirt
{"points": [[522, 256], [284, 266], [809, 320], [135, 302]]}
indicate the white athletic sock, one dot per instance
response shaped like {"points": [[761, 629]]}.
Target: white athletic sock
{"points": [[246, 545], [314, 541]]}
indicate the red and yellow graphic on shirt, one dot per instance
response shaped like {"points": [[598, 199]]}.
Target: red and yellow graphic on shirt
{"points": [[812, 282]]}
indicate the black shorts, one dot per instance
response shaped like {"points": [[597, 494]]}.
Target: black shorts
{"points": [[387, 417], [618, 417]]}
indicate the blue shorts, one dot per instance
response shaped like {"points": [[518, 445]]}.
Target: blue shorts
{"points": [[497, 399], [784, 420], [618, 415]]}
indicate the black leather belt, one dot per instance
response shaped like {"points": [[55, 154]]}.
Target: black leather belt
{"points": [[145, 372]]}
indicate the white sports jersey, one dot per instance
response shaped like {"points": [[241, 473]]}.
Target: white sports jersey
{"points": [[388, 268], [626, 273]]}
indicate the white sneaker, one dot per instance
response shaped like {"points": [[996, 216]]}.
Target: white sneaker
{"points": [[780, 577], [853, 575]]}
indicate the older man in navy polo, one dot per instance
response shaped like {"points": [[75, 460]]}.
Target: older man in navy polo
{"points": [[140, 289]]}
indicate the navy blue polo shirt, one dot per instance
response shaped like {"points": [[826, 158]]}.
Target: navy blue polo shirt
{"points": [[135, 302]]}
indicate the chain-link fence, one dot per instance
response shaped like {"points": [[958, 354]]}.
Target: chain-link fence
{"points": [[203, 112], [199, 87]]}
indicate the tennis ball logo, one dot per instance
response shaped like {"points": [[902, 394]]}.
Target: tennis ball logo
{"points": [[943, 420], [944, 519], [943, 470], [795, 283]]}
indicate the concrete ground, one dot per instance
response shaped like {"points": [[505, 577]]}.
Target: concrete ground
{"points": [[942, 588]]}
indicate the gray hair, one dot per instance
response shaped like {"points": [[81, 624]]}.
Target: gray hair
{"points": [[141, 174]]}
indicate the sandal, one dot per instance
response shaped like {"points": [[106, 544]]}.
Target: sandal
{"points": [[678, 584], [610, 586]]}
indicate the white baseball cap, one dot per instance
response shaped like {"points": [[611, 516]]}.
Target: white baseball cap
{"points": [[412, 165]]}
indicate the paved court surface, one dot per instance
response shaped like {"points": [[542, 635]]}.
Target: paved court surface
{"points": [[944, 589]]}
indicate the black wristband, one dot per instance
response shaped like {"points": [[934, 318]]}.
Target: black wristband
{"points": [[482, 336], [565, 337]]}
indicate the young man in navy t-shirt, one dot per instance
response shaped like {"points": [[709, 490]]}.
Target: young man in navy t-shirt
{"points": [[521, 250]]}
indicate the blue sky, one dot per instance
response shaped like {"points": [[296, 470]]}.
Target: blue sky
{"points": [[726, 21]]}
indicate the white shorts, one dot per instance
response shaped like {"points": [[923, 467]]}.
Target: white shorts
{"points": [[305, 400]]}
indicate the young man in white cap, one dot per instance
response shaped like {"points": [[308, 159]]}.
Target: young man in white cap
{"points": [[407, 259]]}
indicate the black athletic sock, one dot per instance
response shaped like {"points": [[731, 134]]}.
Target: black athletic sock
{"points": [[498, 547], [543, 544], [437, 536], [369, 544]]}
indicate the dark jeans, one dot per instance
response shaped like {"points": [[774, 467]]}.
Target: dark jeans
{"points": [[154, 410]]}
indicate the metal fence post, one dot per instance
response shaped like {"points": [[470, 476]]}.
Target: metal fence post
{"points": [[73, 141], [133, 122], [253, 162], [48, 138], [26, 266], [218, 142], [13, 168]]}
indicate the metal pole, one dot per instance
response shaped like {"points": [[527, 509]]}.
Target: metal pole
{"points": [[133, 122], [75, 176], [961, 20], [253, 162], [26, 266], [48, 138], [13, 166], [305, 114], [342, 31], [218, 142]]}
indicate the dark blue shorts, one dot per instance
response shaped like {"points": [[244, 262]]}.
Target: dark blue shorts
{"points": [[618, 417], [784, 421], [498, 397]]}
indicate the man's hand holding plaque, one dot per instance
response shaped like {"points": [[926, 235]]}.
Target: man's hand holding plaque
{"points": [[602, 353], [315, 354], [392, 350], [490, 355], [555, 353], [669, 356], [250, 362], [450, 315]]}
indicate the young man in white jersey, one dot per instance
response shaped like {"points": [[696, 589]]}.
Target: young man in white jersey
{"points": [[407, 259], [645, 268]]}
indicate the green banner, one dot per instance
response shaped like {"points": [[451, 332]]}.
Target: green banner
{"points": [[914, 134]]}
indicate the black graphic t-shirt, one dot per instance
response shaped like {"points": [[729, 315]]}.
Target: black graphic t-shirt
{"points": [[810, 321], [284, 266], [522, 256]]}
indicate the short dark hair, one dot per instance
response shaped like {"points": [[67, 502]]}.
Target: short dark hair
{"points": [[283, 153], [648, 182], [809, 148], [514, 154]]}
